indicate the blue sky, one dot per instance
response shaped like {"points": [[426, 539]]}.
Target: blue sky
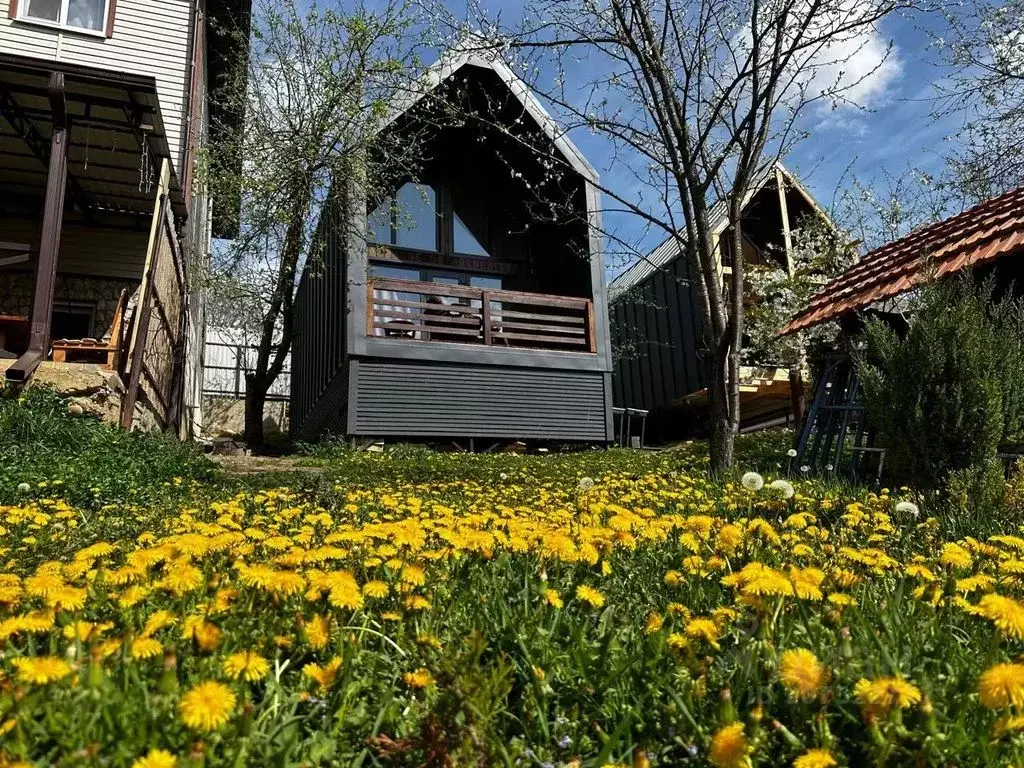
{"points": [[892, 132]]}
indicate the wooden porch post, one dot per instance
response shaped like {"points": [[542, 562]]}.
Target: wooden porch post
{"points": [[49, 243]]}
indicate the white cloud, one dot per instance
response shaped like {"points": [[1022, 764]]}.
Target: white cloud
{"points": [[843, 69]]}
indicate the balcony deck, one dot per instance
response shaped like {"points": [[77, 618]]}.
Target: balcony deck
{"points": [[431, 312]]}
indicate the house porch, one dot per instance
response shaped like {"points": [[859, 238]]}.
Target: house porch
{"points": [[87, 203]]}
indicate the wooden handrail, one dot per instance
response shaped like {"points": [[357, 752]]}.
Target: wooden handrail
{"points": [[479, 316], [465, 292]]}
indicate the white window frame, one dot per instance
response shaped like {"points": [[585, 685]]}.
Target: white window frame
{"points": [[62, 17]]}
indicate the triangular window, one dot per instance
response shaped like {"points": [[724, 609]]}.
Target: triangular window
{"points": [[466, 243]]}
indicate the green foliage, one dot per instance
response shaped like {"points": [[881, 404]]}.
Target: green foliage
{"points": [[82, 460], [948, 393]]}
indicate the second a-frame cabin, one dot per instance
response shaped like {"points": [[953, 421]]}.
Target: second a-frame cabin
{"points": [[449, 308], [657, 328]]}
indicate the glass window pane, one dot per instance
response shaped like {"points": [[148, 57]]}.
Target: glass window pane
{"points": [[416, 221], [87, 14], [48, 10], [395, 273], [379, 223], [465, 242]]}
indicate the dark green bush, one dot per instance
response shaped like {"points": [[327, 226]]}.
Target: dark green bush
{"points": [[80, 459], [945, 395]]}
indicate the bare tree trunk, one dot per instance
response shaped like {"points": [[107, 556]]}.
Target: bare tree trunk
{"points": [[255, 400], [721, 438]]}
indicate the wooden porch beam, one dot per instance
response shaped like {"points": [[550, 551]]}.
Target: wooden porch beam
{"points": [[787, 237], [29, 133], [49, 243]]}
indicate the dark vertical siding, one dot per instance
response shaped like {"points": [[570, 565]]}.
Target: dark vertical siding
{"points": [[411, 399], [656, 325], [318, 350], [330, 415]]}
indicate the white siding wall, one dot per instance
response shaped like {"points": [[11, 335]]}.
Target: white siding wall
{"points": [[150, 38]]}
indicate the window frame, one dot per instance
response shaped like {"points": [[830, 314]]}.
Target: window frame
{"points": [[18, 11], [445, 217]]}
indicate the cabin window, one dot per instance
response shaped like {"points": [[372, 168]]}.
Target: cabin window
{"points": [[408, 220], [88, 15], [414, 219], [465, 242]]}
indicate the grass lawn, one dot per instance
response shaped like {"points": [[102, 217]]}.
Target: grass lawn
{"points": [[412, 608]]}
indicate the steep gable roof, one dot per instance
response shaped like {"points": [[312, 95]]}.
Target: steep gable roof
{"points": [[465, 56], [718, 220], [988, 231]]}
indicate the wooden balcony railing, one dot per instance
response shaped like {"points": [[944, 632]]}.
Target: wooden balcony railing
{"points": [[407, 309]]}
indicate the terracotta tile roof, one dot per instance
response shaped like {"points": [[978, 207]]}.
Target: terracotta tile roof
{"points": [[991, 230]]}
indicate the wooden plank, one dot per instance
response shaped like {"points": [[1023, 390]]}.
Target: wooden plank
{"points": [[787, 237], [486, 307], [460, 308], [428, 317], [591, 336], [534, 327], [140, 331], [568, 319], [533, 337], [512, 297], [442, 329]]}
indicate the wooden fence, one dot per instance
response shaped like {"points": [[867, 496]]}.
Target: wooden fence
{"points": [[153, 368]]}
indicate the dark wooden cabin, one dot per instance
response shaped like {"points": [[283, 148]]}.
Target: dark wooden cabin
{"points": [[460, 305], [656, 324]]}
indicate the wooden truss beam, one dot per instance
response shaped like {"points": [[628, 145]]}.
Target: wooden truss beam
{"points": [[40, 148]]}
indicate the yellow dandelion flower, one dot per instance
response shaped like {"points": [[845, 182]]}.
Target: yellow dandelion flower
{"points": [[317, 632], [702, 628], [801, 673], [376, 589], [325, 675], [729, 747], [1005, 612], [145, 648], [955, 556], [553, 598], [677, 641], [246, 665], [590, 596], [654, 622], [156, 758], [182, 578], [414, 575], [41, 670], [1001, 686], [207, 706], [815, 758], [884, 694], [417, 603], [420, 678]]}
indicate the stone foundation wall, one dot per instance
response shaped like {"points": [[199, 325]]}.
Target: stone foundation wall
{"points": [[17, 289], [226, 416]]}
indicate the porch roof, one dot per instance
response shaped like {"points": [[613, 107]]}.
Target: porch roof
{"points": [[116, 138], [991, 230]]}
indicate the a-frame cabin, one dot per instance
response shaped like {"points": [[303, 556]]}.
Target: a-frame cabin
{"points": [[449, 309]]}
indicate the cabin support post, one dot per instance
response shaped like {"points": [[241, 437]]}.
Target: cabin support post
{"points": [[49, 243]]}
